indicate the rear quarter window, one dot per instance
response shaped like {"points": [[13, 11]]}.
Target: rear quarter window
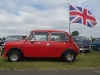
{"points": [[55, 36]]}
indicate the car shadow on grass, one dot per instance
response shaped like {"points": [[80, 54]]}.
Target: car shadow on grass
{"points": [[43, 59]]}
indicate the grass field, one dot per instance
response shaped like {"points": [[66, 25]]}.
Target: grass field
{"points": [[88, 60]]}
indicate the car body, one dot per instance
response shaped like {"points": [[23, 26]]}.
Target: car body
{"points": [[96, 44], [42, 43], [83, 43]]}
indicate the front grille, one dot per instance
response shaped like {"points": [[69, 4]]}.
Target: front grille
{"points": [[83, 47], [80, 44]]}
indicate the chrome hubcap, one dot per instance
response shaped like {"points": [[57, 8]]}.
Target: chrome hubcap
{"points": [[69, 56], [13, 56]]}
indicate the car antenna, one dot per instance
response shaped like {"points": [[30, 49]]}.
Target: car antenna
{"points": [[38, 26]]}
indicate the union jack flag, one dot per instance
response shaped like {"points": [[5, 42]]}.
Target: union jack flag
{"points": [[82, 16]]}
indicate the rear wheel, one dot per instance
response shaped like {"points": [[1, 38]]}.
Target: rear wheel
{"points": [[69, 56], [14, 56]]}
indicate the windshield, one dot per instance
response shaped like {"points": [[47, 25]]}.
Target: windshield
{"points": [[13, 37]]}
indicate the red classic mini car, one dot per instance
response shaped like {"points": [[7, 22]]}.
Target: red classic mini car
{"points": [[42, 43]]}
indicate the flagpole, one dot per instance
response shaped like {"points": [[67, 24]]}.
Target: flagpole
{"points": [[69, 25], [69, 19]]}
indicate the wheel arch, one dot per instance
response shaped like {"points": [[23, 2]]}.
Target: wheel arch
{"points": [[17, 49], [67, 50]]}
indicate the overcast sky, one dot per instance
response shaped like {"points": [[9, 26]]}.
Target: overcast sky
{"points": [[19, 17]]}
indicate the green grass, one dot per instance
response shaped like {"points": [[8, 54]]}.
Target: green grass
{"points": [[88, 60]]}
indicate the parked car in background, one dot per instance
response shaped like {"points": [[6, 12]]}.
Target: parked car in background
{"points": [[42, 43], [96, 44], [10, 38], [83, 43]]}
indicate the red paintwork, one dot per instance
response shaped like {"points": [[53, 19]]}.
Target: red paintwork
{"points": [[40, 48]]}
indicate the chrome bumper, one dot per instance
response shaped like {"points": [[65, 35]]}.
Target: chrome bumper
{"points": [[2, 49], [81, 49]]}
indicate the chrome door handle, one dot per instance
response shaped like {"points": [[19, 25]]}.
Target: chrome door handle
{"points": [[48, 44]]}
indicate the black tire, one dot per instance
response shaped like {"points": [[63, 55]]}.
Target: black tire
{"points": [[14, 56], [69, 56]]}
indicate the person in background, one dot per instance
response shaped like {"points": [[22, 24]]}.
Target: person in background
{"points": [[91, 39], [23, 37]]}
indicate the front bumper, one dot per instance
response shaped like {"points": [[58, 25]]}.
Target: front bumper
{"points": [[3, 53], [2, 49], [83, 49]]}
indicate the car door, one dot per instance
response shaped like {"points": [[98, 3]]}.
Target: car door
{"points": [[38, 45], [59, 42]]}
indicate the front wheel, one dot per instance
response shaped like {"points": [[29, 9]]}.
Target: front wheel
{"points": [[69, 56], [14, 56]]}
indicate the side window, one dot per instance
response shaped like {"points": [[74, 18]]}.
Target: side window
{"points": [[41, 36], [59, 36]]}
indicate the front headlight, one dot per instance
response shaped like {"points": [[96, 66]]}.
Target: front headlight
{"points": [[3, 44]]}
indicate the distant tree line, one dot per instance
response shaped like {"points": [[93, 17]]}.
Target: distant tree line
{"points": [[75, 33], [2, 38]]}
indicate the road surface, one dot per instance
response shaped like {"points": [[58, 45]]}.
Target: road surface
{"points": [[89, 71]]}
